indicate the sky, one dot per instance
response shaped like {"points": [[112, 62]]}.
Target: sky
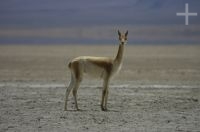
{"points": [[31, 14], [93, 12]]}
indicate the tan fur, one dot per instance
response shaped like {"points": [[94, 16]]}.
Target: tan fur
{"points": [[75, 66], [106, 64], [102, 67]]}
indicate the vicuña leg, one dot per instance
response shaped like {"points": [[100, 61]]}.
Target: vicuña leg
{"points": [[105, 94], [106, 99], [77, 83], [69, 89]]}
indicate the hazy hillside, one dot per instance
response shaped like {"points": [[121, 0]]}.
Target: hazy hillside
{"points": [[88, 21]]}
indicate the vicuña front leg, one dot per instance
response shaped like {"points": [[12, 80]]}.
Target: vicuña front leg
{"points": [[106, 99], [105, 95]]}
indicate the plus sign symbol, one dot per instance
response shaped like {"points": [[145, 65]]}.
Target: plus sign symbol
{"points": [[186, 14]]}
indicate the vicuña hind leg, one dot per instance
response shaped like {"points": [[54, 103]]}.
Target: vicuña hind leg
{"points": [[68, 90], [77, 83]]}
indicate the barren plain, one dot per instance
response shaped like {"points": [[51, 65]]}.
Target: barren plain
{"points": [[157, 89]]}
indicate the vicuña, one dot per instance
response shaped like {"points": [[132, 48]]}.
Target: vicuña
{"points": [[102, 67]]}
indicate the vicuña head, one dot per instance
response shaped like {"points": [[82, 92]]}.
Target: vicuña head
{"points": [[99, 67], [123, 37]]}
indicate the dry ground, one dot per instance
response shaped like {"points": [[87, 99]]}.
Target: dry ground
{"points": [[158, 89]]}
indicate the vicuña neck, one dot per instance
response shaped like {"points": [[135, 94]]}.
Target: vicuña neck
{"points": [[119, 57]]}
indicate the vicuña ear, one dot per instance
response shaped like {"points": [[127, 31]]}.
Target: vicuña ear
{"points": [[126, 33], [119, 33]]}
